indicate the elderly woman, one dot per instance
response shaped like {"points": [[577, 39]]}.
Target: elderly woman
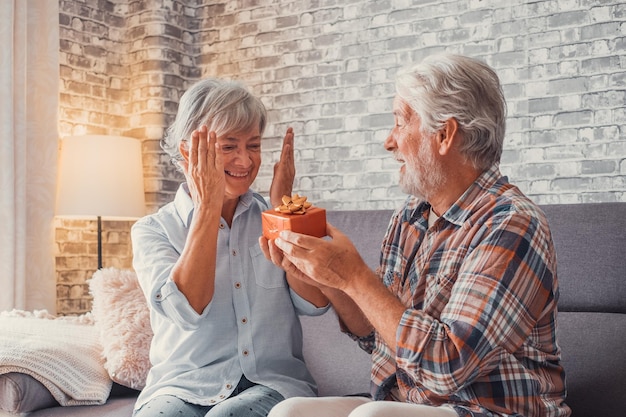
{"points": [[227, 339]]}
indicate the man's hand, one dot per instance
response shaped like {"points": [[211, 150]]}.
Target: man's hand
{"points": [[284, 171], [333, 266], [333, 263]]}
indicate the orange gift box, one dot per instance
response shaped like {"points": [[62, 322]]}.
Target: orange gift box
{"points": [[312, 222]]}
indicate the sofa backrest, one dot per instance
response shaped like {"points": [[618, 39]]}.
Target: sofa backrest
{"points": [[590, 242]]}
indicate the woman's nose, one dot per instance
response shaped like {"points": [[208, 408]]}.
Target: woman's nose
{"points": [[243, 157]]}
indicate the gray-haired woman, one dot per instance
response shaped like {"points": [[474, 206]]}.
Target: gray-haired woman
{"points": [[227, 339]]}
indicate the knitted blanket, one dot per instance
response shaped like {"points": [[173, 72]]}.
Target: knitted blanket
{"points": [[64, 354]]}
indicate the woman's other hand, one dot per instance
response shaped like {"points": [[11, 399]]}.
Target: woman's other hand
{"points": [[284, 171]]}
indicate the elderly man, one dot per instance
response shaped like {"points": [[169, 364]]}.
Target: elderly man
{"points": [[460, 317]]}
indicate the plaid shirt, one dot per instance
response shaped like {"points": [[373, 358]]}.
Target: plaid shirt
{"points": [[481, 290]]}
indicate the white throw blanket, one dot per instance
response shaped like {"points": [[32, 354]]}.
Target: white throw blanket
{"points": [[64, 354]]}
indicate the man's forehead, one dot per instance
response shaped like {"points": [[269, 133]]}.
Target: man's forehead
{"points": [[400, 106]]}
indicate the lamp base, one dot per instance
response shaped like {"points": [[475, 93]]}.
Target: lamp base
{"points": [[99, 242]]}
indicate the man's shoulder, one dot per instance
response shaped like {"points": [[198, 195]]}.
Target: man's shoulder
{"points": [[514, 207]]}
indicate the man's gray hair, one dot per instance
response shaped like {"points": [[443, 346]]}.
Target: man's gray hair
{"points": [[454, 86]]}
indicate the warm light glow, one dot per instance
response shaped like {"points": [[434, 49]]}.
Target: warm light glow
{"points": [[100, 176]]}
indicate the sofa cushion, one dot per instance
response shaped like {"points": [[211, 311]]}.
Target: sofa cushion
{"points": [[122, 318], [115, 407], [584, 234], [337, 363], [593, 357], [21, 393]]}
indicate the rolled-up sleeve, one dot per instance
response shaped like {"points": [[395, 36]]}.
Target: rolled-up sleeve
{"points": [[154, 255]]}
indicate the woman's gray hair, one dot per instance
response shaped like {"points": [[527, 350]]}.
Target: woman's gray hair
{"points": [[453, 86], [224, 106]]}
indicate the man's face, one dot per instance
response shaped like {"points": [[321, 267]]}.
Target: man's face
{"points": [[421, 173]]}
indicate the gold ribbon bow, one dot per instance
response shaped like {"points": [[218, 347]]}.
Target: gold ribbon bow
{"points": [[295, 204]]}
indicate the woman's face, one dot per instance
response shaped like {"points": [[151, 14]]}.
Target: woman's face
{"points": [[241, 154]]}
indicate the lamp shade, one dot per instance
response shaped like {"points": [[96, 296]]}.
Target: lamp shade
{"points": [[102, 176]]}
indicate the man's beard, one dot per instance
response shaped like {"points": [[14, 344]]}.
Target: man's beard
{"points": [[423, 174]]}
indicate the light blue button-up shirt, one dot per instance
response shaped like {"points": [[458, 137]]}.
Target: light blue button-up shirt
{"points": [[249, 328]]}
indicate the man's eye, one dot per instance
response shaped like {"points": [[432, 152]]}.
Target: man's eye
{"points": [[255, 147], [227, 148]]}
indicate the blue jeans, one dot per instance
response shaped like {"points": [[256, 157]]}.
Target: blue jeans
{"points": [[248, 400]]}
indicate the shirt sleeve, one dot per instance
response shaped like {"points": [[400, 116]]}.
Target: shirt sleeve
{"points": [[304, 307], [502, 287], [154, 257]]}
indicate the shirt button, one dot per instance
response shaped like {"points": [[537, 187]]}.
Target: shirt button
{"points": [[213, 401], [245, 352], [244, 320], [222, 396], [228, 386], [222, 225], [237, 285], [234, 252]]}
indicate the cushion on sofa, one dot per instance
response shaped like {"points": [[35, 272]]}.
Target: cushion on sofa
{"points": [[21, 393], [122, 317], [584, 234], [592, 346]]}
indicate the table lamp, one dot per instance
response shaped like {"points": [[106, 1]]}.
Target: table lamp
{"points": [[100, 176]]}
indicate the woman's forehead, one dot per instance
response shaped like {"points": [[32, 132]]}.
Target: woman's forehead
{"points": [[242, 135]]}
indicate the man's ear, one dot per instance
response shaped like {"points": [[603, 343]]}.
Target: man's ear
{"points": [[447, 135]]}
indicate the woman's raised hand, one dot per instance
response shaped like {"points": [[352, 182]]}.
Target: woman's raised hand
{"points": [[284, 171], [204, 169]]}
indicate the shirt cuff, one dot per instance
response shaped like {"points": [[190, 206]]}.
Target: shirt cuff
{"points": [[175, 306], [304, 307]]}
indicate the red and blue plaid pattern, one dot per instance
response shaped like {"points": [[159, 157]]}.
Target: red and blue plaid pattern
{"points": [[481, 292]]}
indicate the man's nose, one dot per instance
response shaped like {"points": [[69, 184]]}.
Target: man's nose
{"points": [[390, 142]]}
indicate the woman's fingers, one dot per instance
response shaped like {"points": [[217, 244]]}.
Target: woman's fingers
{"points": [[193, 150], [286, 154], [202, 147], [215, 153], [205, 152]]}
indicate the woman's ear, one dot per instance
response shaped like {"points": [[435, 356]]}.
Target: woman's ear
{"points": [[447, 135], [183, 148]]}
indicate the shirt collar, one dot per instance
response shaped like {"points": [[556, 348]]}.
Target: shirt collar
{"points": [[462, 209]]}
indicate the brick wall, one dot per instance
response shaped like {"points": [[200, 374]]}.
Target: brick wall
{"points": [[326, 68], [77, 258]]}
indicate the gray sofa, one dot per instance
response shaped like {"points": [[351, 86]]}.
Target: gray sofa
{"points": [[591, 247]]}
